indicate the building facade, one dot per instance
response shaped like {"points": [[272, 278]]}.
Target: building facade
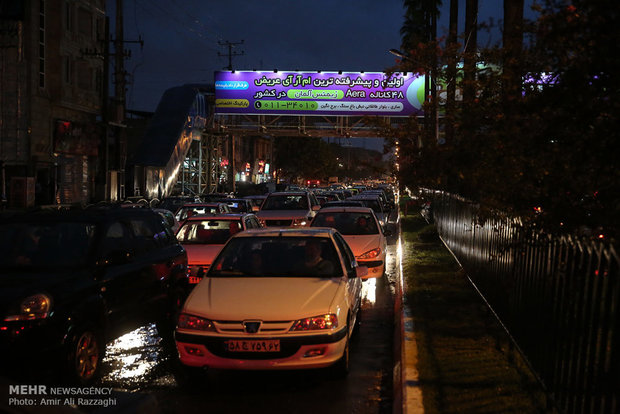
{"points": [[51, 95]]}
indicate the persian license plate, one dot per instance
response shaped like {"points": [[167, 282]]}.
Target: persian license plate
{"points": [[194, 280], [244, 345]]}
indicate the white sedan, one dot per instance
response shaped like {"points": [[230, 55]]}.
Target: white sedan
{"points": [[363, 232], [274, 299]]}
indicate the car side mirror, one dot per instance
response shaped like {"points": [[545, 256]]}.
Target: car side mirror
{"points": [[361, 271]]}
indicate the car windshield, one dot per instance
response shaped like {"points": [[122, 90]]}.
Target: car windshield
{"points": [[277, 257], [286, 202], [208, 231], [238, 206], [374, 204], [348, 224], [59, 244], [188, 211]]}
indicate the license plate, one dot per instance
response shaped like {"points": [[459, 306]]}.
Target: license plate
{"points": [[242, 345], [194, 280]]}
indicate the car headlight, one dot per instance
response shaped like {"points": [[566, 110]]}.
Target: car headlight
{"points": [[33, 307], [194, 322], [370, 254], [301, 221], [329, 321]]}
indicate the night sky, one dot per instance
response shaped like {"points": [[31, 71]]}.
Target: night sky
{"points": [[181, 38]]}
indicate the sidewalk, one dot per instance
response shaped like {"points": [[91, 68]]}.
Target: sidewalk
{"points": [[455, 356]]}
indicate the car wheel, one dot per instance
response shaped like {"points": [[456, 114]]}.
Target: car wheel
{"points": [[84, 355], [358, 322], [341, 368]]}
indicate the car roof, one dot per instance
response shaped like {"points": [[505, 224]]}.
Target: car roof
{"points": [[210, 204], [227, 216], [365, 197], [93, 213], [288, 232], [345, 210], [289, 193]]}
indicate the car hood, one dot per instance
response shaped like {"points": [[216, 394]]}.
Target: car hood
{"points": [[283, 214], [265, 298], [360, 244], [202, 253]]}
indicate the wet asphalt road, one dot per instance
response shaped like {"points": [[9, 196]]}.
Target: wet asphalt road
{"points": [[143, 364]]}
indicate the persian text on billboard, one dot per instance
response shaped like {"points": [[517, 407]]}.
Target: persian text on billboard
{"points": [[318, 93]]}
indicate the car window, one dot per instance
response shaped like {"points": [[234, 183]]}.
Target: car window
{"points": [[46, 244], [286, 202], [117, 237], [208, 231], [148, 235], [278, 257], [347, 223], [249, 223]]}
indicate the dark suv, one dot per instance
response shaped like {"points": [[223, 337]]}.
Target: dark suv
{"points": [[72, 280]]}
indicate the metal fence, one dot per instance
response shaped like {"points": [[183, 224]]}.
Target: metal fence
{"points": [[558, 296]]}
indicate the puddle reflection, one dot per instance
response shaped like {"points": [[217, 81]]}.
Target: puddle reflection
{"points": [[132, 358]]}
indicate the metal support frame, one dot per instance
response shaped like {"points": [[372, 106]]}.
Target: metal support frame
{"points": [[212, 163], [201, 168], [299, 125]]}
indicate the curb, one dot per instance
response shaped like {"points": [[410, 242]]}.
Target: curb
{"points": [[407, 391]]}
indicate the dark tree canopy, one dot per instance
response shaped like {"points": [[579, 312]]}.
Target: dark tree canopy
{"points": [[551, 154]]}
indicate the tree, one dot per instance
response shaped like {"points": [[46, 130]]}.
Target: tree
{"points": [[512, 47], [544, 149]]}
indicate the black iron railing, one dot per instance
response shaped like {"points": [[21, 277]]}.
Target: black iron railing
{"points": [[557, 296]]}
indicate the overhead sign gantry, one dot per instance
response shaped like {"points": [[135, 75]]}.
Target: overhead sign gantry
{"points": [[278, 103]]}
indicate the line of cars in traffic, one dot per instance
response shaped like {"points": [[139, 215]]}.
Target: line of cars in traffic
{"points": [[242, 287]]}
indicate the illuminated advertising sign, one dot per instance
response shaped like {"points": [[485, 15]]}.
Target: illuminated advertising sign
{"points": [[318, 93]]}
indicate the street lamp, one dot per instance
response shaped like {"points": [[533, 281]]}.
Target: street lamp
{"points": [[400, 54]]}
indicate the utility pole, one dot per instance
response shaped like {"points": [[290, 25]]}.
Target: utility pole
{"points": [[230, 53], [120, 135], [119, 100]]}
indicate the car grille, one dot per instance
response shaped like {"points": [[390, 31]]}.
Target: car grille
{"points": [[278, 223], [266, 327]]}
